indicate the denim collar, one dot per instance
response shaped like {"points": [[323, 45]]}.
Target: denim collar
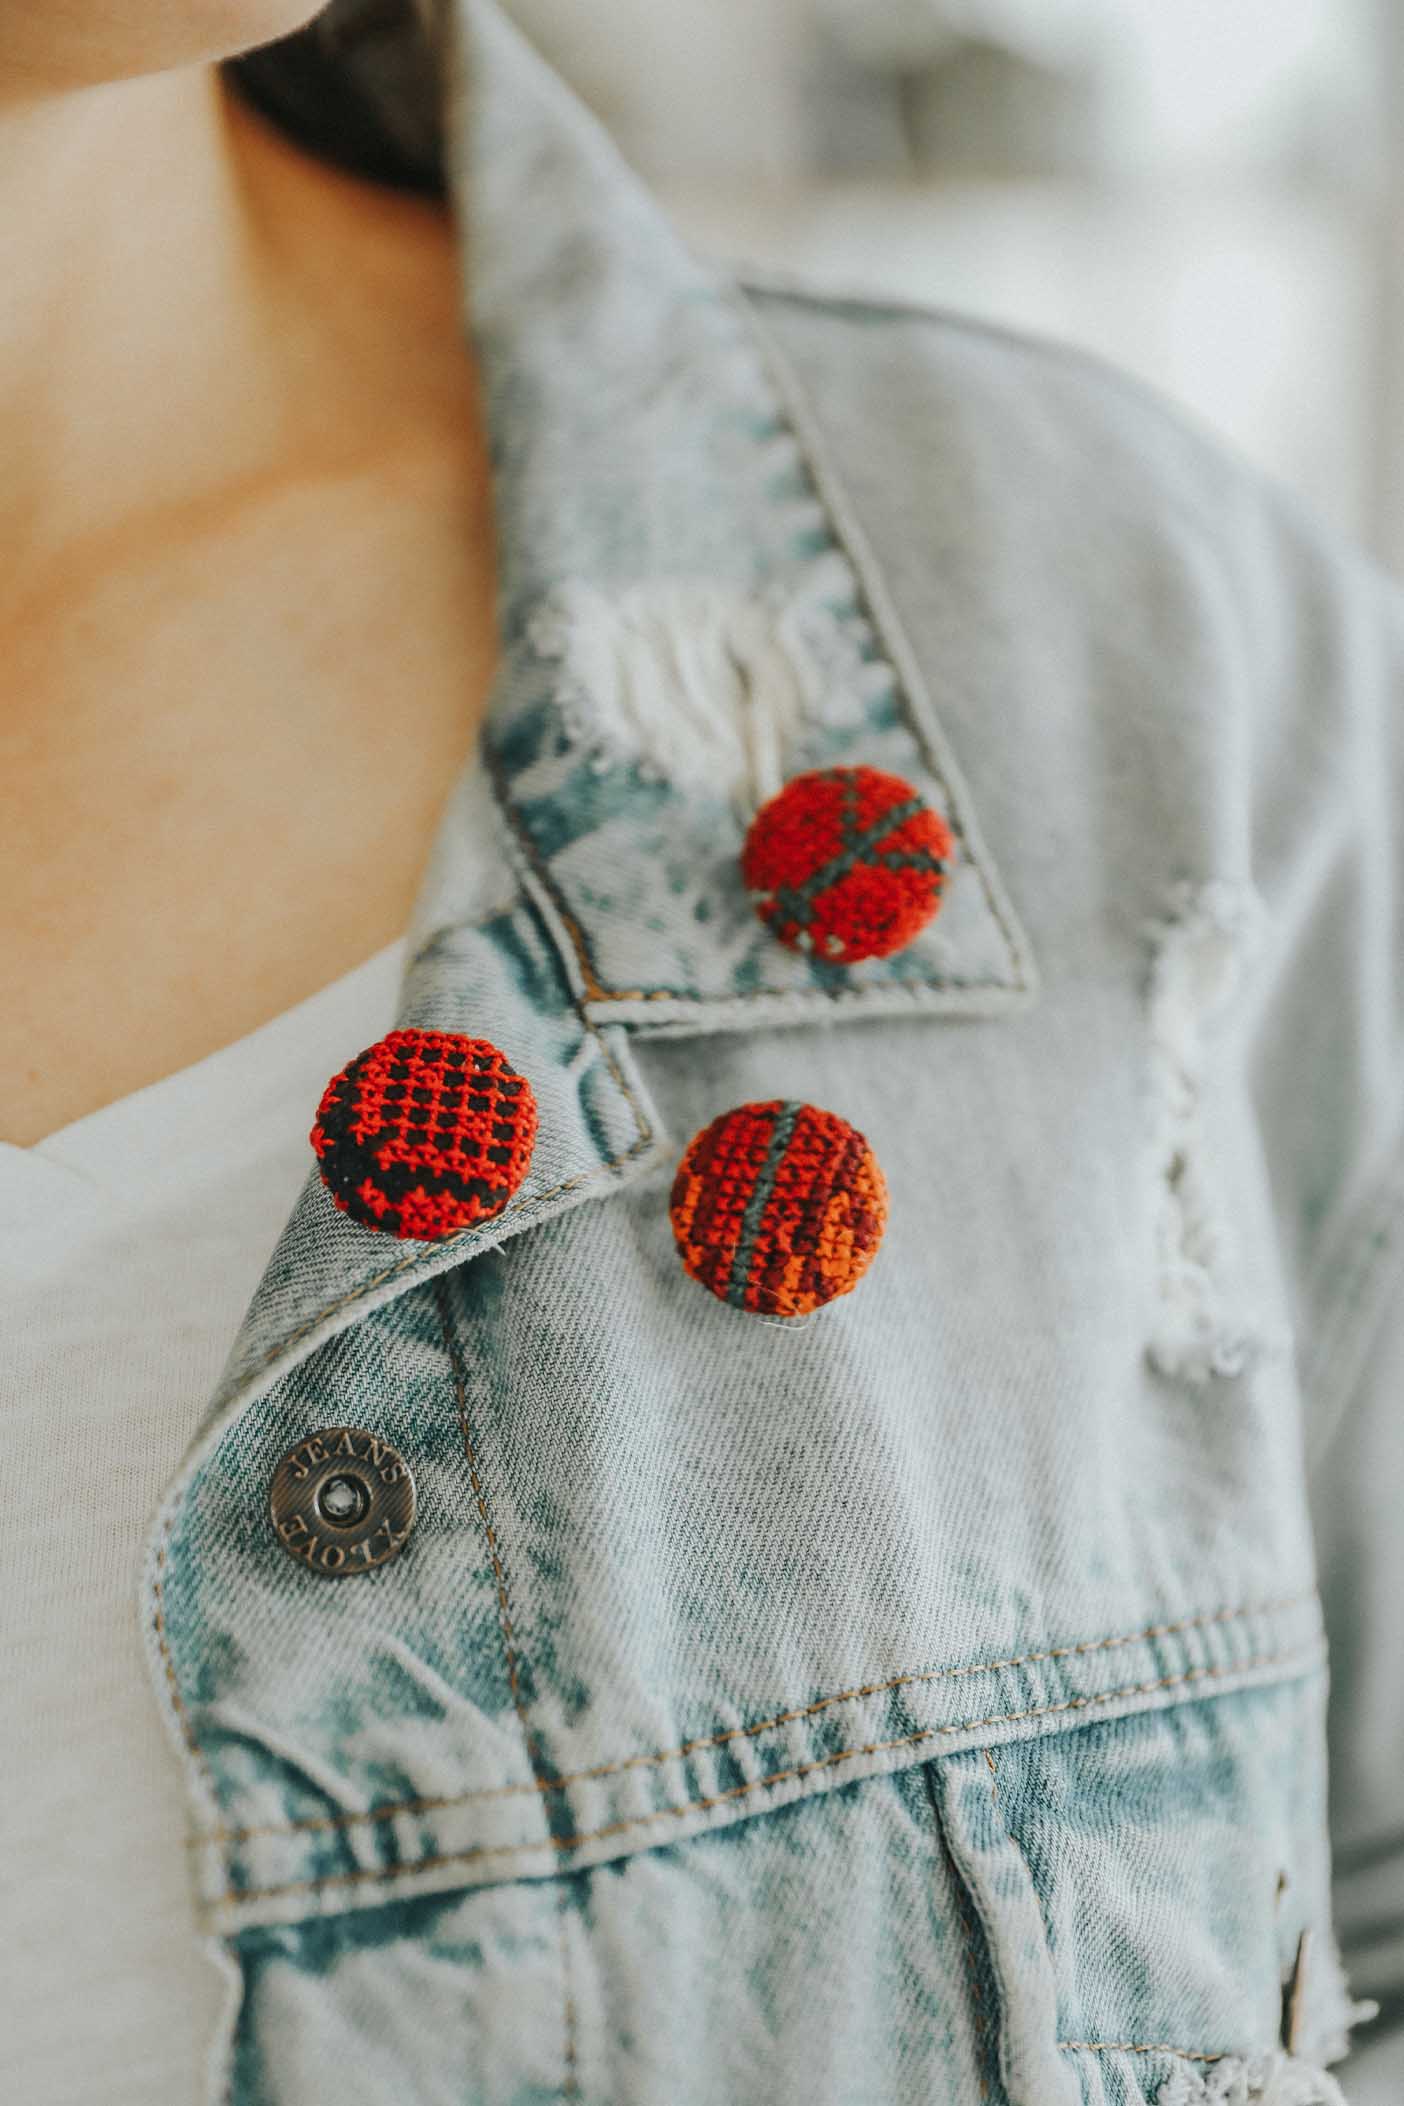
{"points": [[688, 612]]}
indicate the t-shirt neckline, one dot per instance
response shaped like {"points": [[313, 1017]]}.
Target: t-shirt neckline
{"points": [[204, 1116]]}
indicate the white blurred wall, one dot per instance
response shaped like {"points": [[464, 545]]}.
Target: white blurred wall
{"points": [[1198, 190]]}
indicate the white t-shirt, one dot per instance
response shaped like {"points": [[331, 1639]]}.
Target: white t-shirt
{"points": [[131, 1243]]}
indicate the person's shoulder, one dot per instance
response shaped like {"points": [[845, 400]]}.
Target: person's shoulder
{"points": [[987, 446], [1004, 409]]}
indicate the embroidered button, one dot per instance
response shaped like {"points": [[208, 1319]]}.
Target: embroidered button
{"points": [[342, 1501], [778, 1207], [846, 863], [425, 1133]]}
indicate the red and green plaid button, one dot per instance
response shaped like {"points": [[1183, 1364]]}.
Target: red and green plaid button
{"points": [[846, 863], [425, 1133], [778, 1207]]}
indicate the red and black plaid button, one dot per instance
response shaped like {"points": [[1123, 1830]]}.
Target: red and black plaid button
{"points": [[846, 863], [778, 1207], [425, 1133]]}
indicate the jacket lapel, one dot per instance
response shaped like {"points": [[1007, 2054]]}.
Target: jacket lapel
{"points": [[687, 609], [687, 615]]}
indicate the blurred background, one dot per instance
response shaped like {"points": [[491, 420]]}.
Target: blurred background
{"points": [[1209, 192]]}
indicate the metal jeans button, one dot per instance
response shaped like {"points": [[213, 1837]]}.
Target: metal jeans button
{"points": [[342, 1500]]}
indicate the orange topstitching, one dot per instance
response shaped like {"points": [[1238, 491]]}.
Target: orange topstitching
{"points": [[385, 1874], [387, 1812]]}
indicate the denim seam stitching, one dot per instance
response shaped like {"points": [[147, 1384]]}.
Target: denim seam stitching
{"points": [[570, 2074], [1144, 2047], [234, 1897], [499, 1575], [852, 542], [158, 1612], [985, 2026], [973, 1916], [639, 1146], [319, 1823], [1011, 1841], [594, 990], [932, 983], [511, 1653]]}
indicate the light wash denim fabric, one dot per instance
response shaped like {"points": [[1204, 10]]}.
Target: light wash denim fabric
{"points": [[926, 1703]]}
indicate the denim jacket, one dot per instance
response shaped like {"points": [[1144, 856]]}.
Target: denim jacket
{"points": [[925, 1702]]}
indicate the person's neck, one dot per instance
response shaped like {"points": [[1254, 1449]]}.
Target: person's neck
{"points": [[247, 596], [169, 329]]}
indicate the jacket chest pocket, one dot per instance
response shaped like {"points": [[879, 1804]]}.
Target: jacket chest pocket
{"points": [[1149, 1905], [1127, 1914]]}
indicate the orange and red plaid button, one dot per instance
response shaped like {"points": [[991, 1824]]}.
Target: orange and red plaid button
{"points": [[778, 1207]]}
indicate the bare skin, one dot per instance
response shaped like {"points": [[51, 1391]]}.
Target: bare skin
{"points": [[246, 595]]}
